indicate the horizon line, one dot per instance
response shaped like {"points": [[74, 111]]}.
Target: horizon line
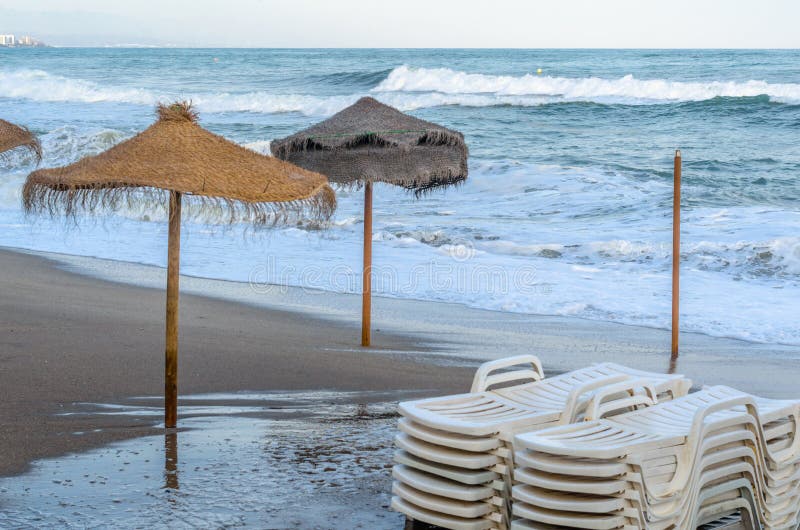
{"points": [[221, 47]]}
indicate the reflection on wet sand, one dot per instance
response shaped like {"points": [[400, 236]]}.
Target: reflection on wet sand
{"points": [[324, 458], [171, 461], [673, 363]]}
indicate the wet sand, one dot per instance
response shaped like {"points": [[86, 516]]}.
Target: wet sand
{"points": [[67, 339], [76, 329], [273, 460], [445, 331]]}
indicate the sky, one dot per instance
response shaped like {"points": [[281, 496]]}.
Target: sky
{"points": [[409, 24]]}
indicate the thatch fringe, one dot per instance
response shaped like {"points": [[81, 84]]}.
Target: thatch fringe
{"points": [[422, 188], [222, 181], [16, 136], [419, 186], [178, 111], [283, 149], [366, 139], [441, 137], [100, 199]]}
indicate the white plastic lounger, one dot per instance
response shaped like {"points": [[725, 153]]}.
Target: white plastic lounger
{"points": [[438, 519], [733, 469], [676, 465], [456, 449], [588, 504]]}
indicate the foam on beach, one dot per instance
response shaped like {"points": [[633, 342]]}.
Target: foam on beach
{"points": [[548, 262]]}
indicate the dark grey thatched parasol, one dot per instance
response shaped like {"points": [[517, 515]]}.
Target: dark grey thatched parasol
{"points": [[372, 142], [173, 158]]}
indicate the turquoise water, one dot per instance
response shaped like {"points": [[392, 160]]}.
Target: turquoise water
{"points": [[570, 173]]}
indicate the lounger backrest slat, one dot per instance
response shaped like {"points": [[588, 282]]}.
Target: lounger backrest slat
{"points": [[635, 393], [530, 369]]}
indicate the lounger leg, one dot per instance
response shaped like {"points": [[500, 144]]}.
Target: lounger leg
{"points": [[411, 524]]}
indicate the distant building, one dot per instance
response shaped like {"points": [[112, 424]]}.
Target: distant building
{"points": [[26, 40]]}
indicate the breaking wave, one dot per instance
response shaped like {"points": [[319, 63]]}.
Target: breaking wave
{"points": [[38, 85], [626, 89], [408, 89]]}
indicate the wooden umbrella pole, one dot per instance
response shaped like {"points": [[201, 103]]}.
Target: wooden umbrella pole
{"points": [[173, 279], [366, 296], [676, 252]]}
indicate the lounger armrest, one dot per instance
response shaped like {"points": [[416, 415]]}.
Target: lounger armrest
{"points": [[686, 459], [598, 407], [571, 404], [484, 378], [702, 413]]}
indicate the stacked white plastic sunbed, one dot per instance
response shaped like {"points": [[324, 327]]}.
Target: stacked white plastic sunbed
{"points": [[454, 465], [603, 447], [677, 465]]}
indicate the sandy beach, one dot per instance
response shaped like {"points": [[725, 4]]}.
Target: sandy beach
{"points": [[70, 339], [274, 391], [80, 330]]}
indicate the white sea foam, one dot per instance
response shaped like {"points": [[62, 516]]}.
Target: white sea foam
{"points": [[787, 252], [620, 279], [266, 103], [627, 88], [406, 88], [259, 146], [39, 85]]}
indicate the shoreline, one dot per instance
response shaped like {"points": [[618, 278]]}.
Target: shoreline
{"points": [[293, 298], [236, 339], [98, 268]]}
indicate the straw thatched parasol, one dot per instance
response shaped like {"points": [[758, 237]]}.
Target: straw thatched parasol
{"points": [[172, 158], [13, 136], [372, 142]]}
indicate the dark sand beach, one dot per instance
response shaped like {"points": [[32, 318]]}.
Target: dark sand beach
{"points": [[272, 385], [80, 330], [69, 339]]}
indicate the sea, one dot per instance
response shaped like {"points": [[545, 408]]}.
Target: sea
{"points": [[567, 209]]}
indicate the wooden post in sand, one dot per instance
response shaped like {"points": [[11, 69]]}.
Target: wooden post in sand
{"points": [[366, 296], [676, 251], [173, 278]]}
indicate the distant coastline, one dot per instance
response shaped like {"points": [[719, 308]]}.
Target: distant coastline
{"points": [[9, 40]]}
